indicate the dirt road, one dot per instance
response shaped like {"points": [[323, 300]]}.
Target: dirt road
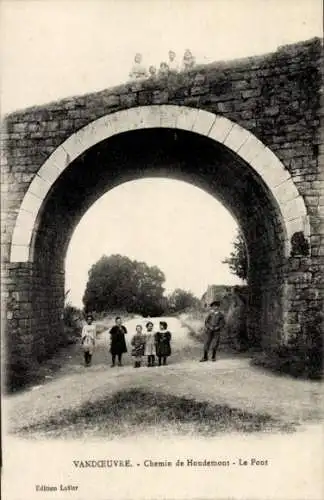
{"points": [[231, 381]]}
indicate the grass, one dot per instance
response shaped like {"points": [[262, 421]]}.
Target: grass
{"points": [[142, 411]]}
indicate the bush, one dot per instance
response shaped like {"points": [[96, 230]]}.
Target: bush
{"points": [[295, 358], [72, 324]]}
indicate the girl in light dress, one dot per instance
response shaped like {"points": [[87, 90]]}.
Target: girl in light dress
{"points": [[88, 339], [150, 350], [188, 61], [172, 62], [138, 71], [164, 70]]}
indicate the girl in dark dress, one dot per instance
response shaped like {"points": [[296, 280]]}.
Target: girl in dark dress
{"points": [[162, 343], [138, 343], [117, 344]]}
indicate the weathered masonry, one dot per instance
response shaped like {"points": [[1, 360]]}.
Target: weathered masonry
{"points": [[249, 131]]}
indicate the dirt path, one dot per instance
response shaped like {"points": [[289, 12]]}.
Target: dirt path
{"points": [[230, 381]]}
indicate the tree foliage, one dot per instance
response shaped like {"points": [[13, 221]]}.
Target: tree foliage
{"points": [[117, 282], [238, 259], [179, 300]]}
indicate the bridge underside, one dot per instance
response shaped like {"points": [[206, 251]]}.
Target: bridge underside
{"points": [[154, 153]]}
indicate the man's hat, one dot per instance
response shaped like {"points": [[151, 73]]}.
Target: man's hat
{"points": [[215, 303]]}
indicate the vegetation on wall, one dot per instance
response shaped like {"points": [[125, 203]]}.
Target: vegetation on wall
{"points": [[238, 259]]}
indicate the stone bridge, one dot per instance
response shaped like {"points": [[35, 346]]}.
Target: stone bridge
{"points": [[247, 131]]}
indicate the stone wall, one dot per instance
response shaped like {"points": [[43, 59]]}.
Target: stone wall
{"points": [[277, 97]]}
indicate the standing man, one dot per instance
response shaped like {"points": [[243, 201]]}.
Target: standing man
{"points": [[214, 323], [118, 343]]}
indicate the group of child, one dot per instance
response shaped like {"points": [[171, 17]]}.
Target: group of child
{"points": [[150, 345], [139, 71]]}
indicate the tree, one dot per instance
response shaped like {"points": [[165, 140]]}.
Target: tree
{"points": [[180, 300], [117, 282], [238, 259]]}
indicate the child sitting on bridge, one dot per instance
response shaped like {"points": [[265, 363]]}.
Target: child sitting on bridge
{"points": [[188, 60], [138, 71], [164, 70], [138, 343]]}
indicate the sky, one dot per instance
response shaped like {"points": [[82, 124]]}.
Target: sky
{"points": [[180, 228], [54, 49]]}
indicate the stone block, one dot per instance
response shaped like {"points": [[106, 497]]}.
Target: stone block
{"points": [[160, 97], [128, 100], [148, 117], [203, 123], [169, 116], [292, 329], [294, 209], [186, 118], [111, 100], [236, 138], [252, 148], [286, 191], [39, 187], [31, 203], [299, 277], [199, 90], [224, 107], [220, 129], [19, 253], [144, 97], [247, 94]]}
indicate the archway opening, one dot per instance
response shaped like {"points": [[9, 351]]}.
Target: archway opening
{"points": [[163, 222], [174, 154]]}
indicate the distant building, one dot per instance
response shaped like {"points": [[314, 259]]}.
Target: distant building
{"points": [[214, 292]]}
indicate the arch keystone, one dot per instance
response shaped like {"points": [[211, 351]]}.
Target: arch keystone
{"points": [[150, 117], [187, 118], [168, 116]]}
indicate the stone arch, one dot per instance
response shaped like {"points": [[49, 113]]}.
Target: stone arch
{"points": [[243, 143]]}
